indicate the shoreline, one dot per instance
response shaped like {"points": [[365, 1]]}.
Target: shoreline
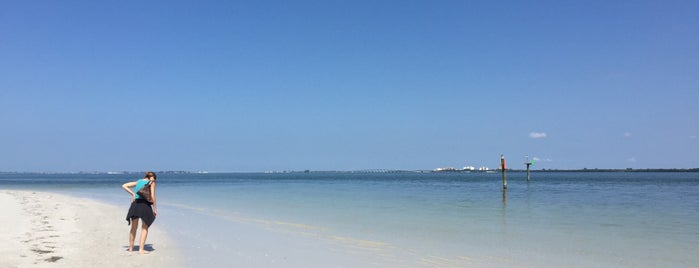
{"points": [[365, 171], [375, 221], [45, 229]]}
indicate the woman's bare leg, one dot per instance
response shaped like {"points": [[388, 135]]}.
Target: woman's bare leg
{"points": [[132, 233], [144, 235]]}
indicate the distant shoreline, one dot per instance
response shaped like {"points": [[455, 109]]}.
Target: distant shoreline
{"points": [[581, 170], [620, 170], [371, 171]]}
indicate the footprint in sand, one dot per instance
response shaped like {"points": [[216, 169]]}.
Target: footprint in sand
{"points": [[53, 258]]}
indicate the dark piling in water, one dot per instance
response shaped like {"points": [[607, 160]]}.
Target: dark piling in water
{"points": [[503, 167]]}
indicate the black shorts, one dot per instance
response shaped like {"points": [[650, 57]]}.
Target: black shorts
{"points": [[141, 209]]}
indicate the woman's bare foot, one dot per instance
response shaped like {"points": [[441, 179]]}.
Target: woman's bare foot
{"points": [[143, 252]]}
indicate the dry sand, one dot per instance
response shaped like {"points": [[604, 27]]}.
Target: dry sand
{"points": [[41, 229]]}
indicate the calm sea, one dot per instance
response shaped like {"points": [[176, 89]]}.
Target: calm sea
{"points": [[567, 219]]}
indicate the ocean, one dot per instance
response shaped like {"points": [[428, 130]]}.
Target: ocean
{"points": [[558, 219]]}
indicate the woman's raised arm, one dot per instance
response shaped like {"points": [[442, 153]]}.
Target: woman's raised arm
{"points": [[127, 187]]}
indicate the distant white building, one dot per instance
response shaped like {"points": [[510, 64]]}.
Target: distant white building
{"points": [[483, 169], [469, 168]]}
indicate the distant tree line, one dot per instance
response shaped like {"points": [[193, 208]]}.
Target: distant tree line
{"points": [[621, 170]]}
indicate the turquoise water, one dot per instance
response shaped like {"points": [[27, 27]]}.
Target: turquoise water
{"points": [[572, 219]]}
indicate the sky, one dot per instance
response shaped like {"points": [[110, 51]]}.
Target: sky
{"points": [[246, 86]]}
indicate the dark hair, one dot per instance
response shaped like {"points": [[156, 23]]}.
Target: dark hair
{"points": [[150, 174]]}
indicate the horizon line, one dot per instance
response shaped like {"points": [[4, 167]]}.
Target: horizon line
{"points": [[696, 169]]}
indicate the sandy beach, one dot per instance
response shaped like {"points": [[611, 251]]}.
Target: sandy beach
{"points": [[42, 229]]}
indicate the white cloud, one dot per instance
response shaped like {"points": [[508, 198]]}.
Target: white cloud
{"points": [[536, 159], [627, 134], [693, 137], [632, 159], [537, 135]]}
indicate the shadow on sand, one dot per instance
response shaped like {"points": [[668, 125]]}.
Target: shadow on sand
{"points": [[148, 247]]}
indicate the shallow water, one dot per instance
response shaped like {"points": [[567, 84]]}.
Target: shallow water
{"points": [[572, 219]]}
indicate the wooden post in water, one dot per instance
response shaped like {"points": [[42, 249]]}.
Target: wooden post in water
{"points": [[528, 164], [503, 167]]}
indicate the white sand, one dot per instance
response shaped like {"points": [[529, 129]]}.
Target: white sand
{"points": [[40, 229]]}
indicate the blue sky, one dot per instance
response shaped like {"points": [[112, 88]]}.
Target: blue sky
{"points": [[347, 85]]}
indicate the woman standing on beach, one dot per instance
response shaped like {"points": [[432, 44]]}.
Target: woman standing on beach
{"points": [[141, 208]]}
